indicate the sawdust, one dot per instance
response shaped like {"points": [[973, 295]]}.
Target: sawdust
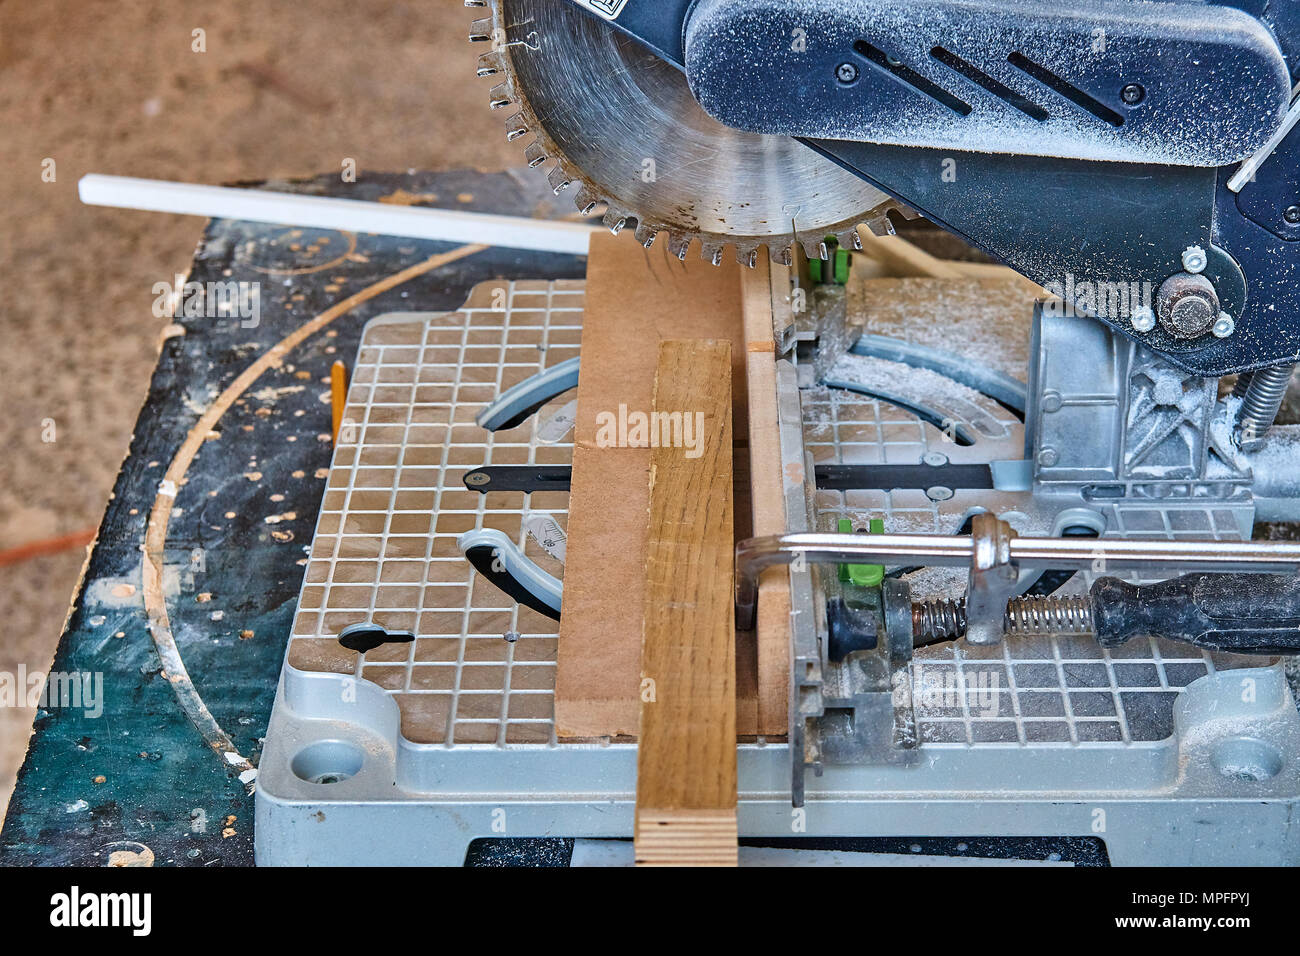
{"points": [[985, 321]]}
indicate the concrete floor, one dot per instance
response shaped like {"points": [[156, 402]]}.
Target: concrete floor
{"points": [[282, 90]]}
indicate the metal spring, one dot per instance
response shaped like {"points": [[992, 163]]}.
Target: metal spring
{"points": [[1036, 614], [1260, 400], [942, 620], [938, 620]]}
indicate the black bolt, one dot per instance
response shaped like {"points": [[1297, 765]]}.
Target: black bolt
{"points": [[846, 73], [1292, 214], [1133, 94]]}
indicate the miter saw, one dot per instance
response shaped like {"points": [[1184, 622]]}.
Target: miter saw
{"points": [[1139, 160]]}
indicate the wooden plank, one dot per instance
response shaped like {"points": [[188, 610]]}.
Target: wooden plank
{"points": [[765, 290], [686, 755], [635, 298], [895, 257], [904, 259]]}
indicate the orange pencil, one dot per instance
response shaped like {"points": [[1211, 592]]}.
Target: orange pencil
{"points": [[338, 394]]}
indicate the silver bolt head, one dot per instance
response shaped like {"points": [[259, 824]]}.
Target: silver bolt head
{"points": [[1048, 457], [938, 493], [1194, 260], [935, 459], [1223, 326], [1143, 319]]}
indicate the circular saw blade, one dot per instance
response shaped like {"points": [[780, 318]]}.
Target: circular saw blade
{"points": [[623, 130]]}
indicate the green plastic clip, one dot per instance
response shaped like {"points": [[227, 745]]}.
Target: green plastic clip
{"points": [[863, 575]]}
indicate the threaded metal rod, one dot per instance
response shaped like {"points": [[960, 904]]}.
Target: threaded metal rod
{"points": [[944, 620], [1261, 398]]}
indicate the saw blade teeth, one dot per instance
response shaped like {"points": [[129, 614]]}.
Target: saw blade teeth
{"points": [[586, 200], [500, 96], [535, 155], [614, 221], [490, 64], [712, 252], [559, 180], [747, 255], [480, 31], [645, 235], [679, 246], [516, 126], [849, 240], [880, 226], [476, 3]]}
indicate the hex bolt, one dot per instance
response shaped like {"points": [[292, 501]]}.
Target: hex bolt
{"points": [[1224, 326], [1143, 319], [846, 73], [1048, 457], [1194, 260], [1187, 305]]}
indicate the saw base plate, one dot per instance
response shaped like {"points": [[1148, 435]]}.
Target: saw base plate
{"points": [[408, 753]]}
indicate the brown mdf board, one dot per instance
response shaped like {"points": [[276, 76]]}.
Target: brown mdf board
{"points": [[635, 298], [686, 753]]}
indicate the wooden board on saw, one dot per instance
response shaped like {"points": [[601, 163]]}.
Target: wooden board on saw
{"points": [[635, 299], [686, 752], [767, 296], [895, 257]]}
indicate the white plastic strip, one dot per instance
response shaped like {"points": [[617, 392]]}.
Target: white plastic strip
{"points": [[321, 212], [1251, 166]]}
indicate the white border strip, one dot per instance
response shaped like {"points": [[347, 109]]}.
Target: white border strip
{"points": [[321, 212]]}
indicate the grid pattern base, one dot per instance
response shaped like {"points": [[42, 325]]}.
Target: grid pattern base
{"points": [[464, 663]]}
